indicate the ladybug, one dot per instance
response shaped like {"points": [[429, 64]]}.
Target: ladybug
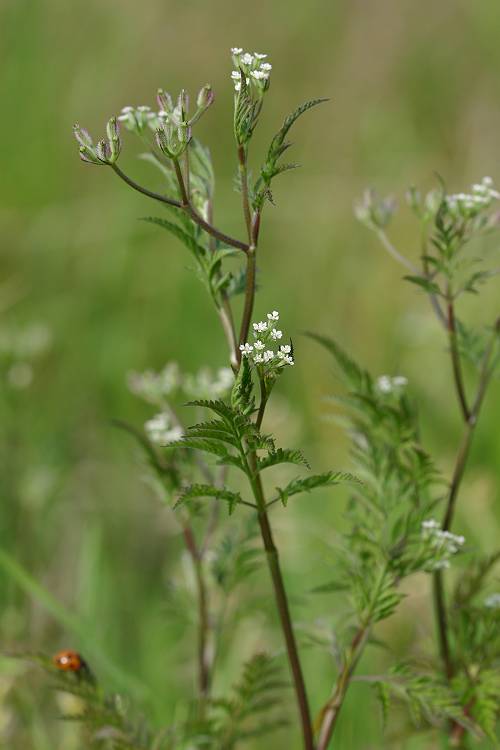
{"points": [[72, 661]]}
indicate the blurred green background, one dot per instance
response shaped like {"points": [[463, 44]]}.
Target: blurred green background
{"points": [[93, 293]]}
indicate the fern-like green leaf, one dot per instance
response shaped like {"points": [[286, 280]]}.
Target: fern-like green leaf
{"points": [[281, 456], [206, 490], [306, 484]]}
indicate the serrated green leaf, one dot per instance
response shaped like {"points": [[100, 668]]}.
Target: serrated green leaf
{"points": [[309, 483], [189, 241], [281, 456], [429, 286], [208, 491]]}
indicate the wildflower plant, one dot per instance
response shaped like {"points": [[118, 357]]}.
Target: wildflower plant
{"points": [[401, 509]]}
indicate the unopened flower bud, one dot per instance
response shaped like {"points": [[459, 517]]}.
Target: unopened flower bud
{"points": [[83, 136], [103, 152], [183, 103], [164, 101], [205, 97]]}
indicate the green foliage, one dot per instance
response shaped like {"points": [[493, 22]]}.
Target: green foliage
{"points": [[429, 699], [309, 483], [253, 708], [271, 167], [208, 491]]}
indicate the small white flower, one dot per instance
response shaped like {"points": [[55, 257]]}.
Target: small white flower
{"points": [[266, 66], [259, 345], [237, 86], [259, 56], [492, 601], [144, 108], [260, 327], [160, 431], [127, 109], [430, 524], [259, 75], [236, 75], [285, 348], [275, 334], [288, 360], [384, 384], [268, 355], [487, 181], [246, 349], [236, 50], [274, 315], [247, 58], [400, 381], [258, 358]]}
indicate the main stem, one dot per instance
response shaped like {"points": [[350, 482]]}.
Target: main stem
{"points": [[470, 417], [253, 227], [282, 607]]}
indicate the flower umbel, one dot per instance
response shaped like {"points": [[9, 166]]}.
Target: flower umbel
{"points": [[261, 353]]}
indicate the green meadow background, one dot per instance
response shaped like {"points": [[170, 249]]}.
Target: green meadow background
{"points": [[86, 549]]}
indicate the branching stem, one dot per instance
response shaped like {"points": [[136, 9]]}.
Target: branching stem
{"points": [[184, 205]]}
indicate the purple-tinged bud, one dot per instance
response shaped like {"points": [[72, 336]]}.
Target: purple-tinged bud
{"points": [[183, 103], [87, 156], [162, 141], [103, 152], [164, 101], [83, 136], [113, 129], [205, 97], [115, 144]]}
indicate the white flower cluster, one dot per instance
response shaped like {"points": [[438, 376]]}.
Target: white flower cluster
{"points": [[208, 385], [492, 601], [444, 544], [156, 387], [388, 384], [161, 430], [260, 352], [254, 67], [137, 118], [469, 204]]}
